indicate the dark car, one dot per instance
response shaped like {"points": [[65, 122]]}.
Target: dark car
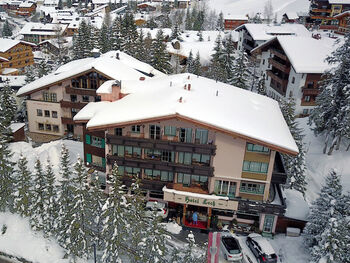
{"points": [[261, 248], [230, 247]]}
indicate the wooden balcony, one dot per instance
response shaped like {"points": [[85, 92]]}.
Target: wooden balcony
{"points": [[318, 10], [70, 104], [196, 188], [78, 91], [66, 120], [329, 27], [308, 91], [280, 66], [279, 54], [169, 145], [308, 103]]}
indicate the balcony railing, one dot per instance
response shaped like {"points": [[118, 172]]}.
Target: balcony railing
{"points": [[70, 104], [280, 66], [279, 54], [66, 120], [79, 91], [311, 91], [308, 103], [194, 188], [318, 10]]}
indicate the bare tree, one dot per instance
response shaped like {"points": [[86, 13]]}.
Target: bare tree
{"points": [[268, 12]]}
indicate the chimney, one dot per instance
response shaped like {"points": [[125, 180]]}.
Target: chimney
{"points": [[180, 100], [189, 87], [117, 55], [188, 77], [217, 93], [142, 78], [171, 83], [185, 87]]}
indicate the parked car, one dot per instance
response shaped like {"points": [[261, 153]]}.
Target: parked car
{"points": [[161, 209], [261, 248], [230, 247]]}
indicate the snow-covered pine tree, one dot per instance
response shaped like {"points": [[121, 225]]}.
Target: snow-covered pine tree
{"points": [[129, 35], [197, 67], [190, 63], [188, 22], [50, 206], [199, 21], [240, 72], [37, 216], [148, 46], [295, 165], [151, 23], [261, 87], [322, 209], [192, 253], [23, 188], [228, 56], [166, 22], [217, 67], [159, 55], [200, 36], [69, 3], [8, 104], [175, 32], [43, 68], [141, 51], [6, 29], [82, 42], [30, 73], [114, 219], [78, 234], [104, 39], [220, 23], [60, 4], [116, 34], [332, 112]]}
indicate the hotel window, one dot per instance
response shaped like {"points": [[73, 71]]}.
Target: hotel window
{"points": [[54, 114], [185, 158], [168, 156], [118, 150], [307, 98], [255, 167], [84, 84], [195, 180], [118, 131], [252, 188], [201, 136], [131, 171], [93, 80], [152, 174], [74, 112], [130, 151], [86, 98], [75, 83], [55, 128], [98, 161], [293, 80], [154, 132], [96, 141], [257, 148], [136, 128], [47, 113], [166, 176], [39, 112], [153, 154], [73, 98], [186, 135], [48, 127], [225, 188], [41, 126], [170, 130]]}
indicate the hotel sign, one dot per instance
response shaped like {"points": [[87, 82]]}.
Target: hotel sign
{"points": [[203, 200]]}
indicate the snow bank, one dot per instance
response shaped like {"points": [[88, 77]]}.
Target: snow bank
{"points": [[297, 207], [50, 150], [173, 228], [20, 241]]}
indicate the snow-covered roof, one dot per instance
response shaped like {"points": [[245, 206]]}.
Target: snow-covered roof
{"points": [[3, 59], [6, 44], [236, 17], [306, 54], [297, 207], [124, 68], [16, 126], [6, 71], [106, 87], [211, 197], [266, 32], [223, 107], [292, 15], [26, 4], [13, 81], [339, 2], [263, 243], [42, 29], [90, 110]]}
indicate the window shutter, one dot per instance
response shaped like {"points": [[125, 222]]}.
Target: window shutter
{"points": [[103, 162], [103, 143], [88, 158], [88, 139]]}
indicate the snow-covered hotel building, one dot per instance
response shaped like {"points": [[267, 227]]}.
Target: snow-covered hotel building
{"points": [[53, 100], [293, 67], [197, 144]]}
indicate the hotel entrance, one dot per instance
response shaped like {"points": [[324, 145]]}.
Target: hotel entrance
{"points": [[196, 216]]}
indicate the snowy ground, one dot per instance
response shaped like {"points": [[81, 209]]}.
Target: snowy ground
{"points": [[318, 164], [243, 7]]}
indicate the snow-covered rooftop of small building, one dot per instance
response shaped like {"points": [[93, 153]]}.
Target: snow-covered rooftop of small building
{"points": [[13, 81], [297, 207], [16, 126], [6, 44], [339, 1], [106, 87], [6, 71], [219, 105], [306, 54], [212, 197], [292, 15], [90, 110], [124, 68], [3, 59], [42, 29], [266, 31], [26, 4], [236, 17]]}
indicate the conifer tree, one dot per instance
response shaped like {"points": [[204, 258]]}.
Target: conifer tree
{"points": [[228, 57], [116, 34], [261, 88], [166, 22], [76, 229], [6, 29], [141, 51], [197, 67], [199, 21], [43, 68], [189, 253], [200, 36], [295, 165], [188, 22], [129, 34], [60, 4], [30, 73], [240, 72], [114, 219], [82, 42], [39, 198], [23, 196], [322, 209], [190, 63], [103, 40], [216, 67], [151, 23], [175, 33], [332, 113], [69, 3], [159, 55], [220, 23], [8, 104]]}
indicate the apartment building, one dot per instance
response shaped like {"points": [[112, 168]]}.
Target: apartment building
{"points": [[53, 100], [253, 35], [197, 144], [37, 32], [343, 23], [323, 12], [293, 67], [15, 54], [231, 22]]}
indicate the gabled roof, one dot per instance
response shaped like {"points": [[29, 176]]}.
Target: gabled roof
{"points": [[306, 54], [215, 105], [124, 68], [342, 2], [42, 29], [6, 44]]}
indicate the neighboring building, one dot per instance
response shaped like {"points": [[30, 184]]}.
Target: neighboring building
{"points": [[231, 22], [147, 6], [53, 100], [15, 54], [344, 23], [290, 17], [37, 32], [293, 67], [252, 35], [18, 133], [26, 9], [323, 12], [198, 144]]}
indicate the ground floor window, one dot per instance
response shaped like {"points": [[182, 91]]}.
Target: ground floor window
{"points": [[41, 126], [129, 171], [95, 160], [192, 180], [252, 188], [225, 188]]}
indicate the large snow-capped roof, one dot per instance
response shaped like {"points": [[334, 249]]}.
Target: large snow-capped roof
{"points": [[6, 44], [306, 54], [265, 31], [339, 1], [30, 28], [124, 68], [223, 107]]}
